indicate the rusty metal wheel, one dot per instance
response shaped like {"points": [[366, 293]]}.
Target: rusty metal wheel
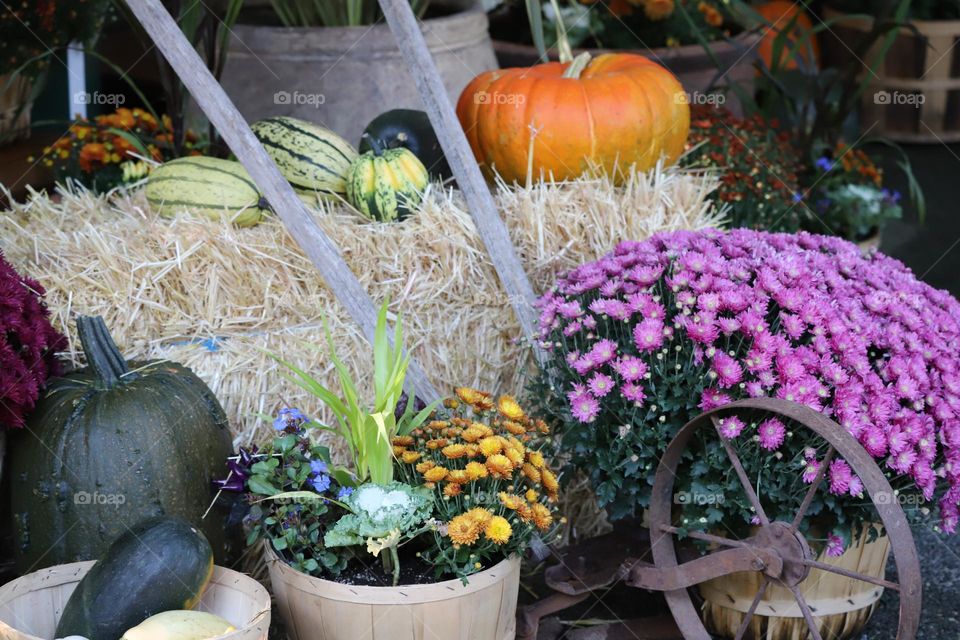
{"points": [[777, 550]]}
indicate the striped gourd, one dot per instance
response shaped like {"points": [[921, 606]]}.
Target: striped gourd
{"points": [[386, 184], [211, 187], [313, 159]]}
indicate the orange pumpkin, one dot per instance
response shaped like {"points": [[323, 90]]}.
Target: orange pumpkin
{"points": [[780, 13], [561, 120]]}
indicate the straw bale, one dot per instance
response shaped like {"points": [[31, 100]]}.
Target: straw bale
{"points": [[216, 297]]}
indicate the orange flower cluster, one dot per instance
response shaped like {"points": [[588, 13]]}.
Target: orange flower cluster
{"points": [[858, 162], [481, 456]]}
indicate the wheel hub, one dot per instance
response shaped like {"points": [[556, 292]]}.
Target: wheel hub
{"points": [[791, 546]]}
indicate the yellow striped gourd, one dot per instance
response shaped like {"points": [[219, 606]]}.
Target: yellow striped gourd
{"points": [[386, 184]]}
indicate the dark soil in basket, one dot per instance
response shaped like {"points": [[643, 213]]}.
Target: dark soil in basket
{"points": [[370, 573]]}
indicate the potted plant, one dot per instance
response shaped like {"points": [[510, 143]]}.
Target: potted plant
{"points": [[337, 63], [647, 337], [28, 349], [670, 32], [420, 534]]}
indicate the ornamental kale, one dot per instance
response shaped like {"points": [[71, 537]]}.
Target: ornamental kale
{"points": [[652, 334]]}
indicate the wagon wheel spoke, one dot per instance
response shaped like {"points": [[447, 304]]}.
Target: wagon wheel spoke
{"points": [[823, 566], [748, 616], [807, 614], [744, 480], [812, 491], [706, 537]]}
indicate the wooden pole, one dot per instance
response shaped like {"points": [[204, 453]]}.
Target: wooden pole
{"points": [[480, 202], [212, 99]]}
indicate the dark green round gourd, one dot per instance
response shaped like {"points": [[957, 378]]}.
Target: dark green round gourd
{"points": [[410, 129], [160, 564], [109, 446]]}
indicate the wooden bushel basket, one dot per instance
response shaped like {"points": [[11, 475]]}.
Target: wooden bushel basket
{"points": [[915, 95], [315, 609], [30, 607], [843, 605]]}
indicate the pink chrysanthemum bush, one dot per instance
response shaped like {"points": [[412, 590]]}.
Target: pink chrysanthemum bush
{"points": [[649, 336], [28, 345]]}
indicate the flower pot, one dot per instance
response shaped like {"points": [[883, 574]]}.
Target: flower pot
{"points": [[690, 63], [843, 605], [30, 607], [343, 77], [16, 101], [914, 96], [871, 242], [316, 609]]}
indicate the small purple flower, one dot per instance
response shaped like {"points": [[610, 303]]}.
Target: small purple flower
{"points": [[344, 493], [583, 406], [731, 427], [318, 467], [290, 420], [320, 483], [834, 545], [824, 163], [840, 477], [600, 384], [238, 471], [630, 368], [810, 470], [771, 434]]}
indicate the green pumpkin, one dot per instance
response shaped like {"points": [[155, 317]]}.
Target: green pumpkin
{"points": [[161, 564], [386, 184], [109, 446], [410, 129]]}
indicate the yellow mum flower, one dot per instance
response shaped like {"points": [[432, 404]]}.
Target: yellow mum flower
{"points": [[402, 441], [524, 511], [437, 425], [451, 403], [498, 530], [531, 495], [500, 466], [458, 476], [510, 408], [436, 474], [542, 427], [472, 450], [515, 428], [516, 457], [487, 431], [536, 459], [451, 490], [472, 434], [542, 517], [549, 481], [454, 451], [491, 446], [476, 470], [477, 399], [511, 500], [463, 530], [531, 472], [398, 451], [438, 443], [425, 466], [480, 515], [409, 457]]}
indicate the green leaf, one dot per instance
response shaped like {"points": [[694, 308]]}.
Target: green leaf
{"points": [[258, 485]]}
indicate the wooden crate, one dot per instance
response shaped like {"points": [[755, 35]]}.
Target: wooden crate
{"points": [[915, 94]]}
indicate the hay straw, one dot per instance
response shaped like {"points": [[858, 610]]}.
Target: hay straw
{"points": [[211, 296]]}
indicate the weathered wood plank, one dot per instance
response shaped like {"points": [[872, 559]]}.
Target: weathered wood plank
{"points": [[213, 101], [480, 202]]}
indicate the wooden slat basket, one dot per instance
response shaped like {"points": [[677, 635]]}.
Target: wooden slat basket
{"points": [[842, 605], [915, 94], [315, 609], [31, 606]]}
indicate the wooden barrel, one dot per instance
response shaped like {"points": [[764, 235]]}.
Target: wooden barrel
{"points": [[914, 95], [315, 609], [842, 605], [30, 607]]}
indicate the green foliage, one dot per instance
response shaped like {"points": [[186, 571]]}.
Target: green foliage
{"points": [[334, 13]]}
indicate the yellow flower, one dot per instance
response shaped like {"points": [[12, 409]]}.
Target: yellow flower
{"points": [[658, 9], [487, 431], [511, 500], [451, 403], [435, 475], [515, 428], [536, 459], [409, 457], [531, 495], [500, 466], [477, 399], [402, 441], [437, 425], [498, 530], [509, 408], [525, 512], [542, 517], [491, 446], [451, 490], [531, 473], [472, 450], [549, 481], [425, 466], [542, 427], [479, 515], [476, 470], [463, 530], [516, 457], [438, 443], [458, 476], [454, 451], [472, 434], [398, 451]]}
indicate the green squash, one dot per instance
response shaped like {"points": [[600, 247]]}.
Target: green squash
{"points": [[111, 445], [410, 129], [386, 185], [158, 565]]}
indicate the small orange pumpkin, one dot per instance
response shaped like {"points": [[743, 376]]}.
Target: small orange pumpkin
{"points": [[561, 120], [780, 13]]}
